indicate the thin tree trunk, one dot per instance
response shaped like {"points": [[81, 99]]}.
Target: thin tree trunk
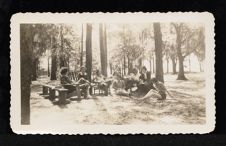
{"points": [[200, 66], [124, 65], [167, 65], [150, 65], [89, 50], [53, 65], [158, 51], [105, 46], [81, 56], [189, 61], [62, 59], [140, 61], [111, 68], [48, 70], [153, 65]]}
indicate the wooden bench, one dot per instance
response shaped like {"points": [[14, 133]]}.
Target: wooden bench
{"points": [[51, 91]]}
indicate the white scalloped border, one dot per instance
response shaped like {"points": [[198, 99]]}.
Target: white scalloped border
{"points": [[135, 17]]}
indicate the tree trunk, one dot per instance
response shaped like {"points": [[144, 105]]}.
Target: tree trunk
{"points": [[124, 64], [153, 65], [105, 46], [103, 51], [48, 70], [111, 68], [174, 65], [34, 69], [26, 39], [167, 65], [189, 61], [53, 65], [150, 65], [181, 75], [140, 61], [158, 51], [200, 66], [89, 50], [81, 55], [62, 58]]}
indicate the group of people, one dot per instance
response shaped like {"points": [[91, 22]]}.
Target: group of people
{"points": [[82, 81], [150, 88], [140, 80]]}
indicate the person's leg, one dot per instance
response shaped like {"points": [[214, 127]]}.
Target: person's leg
{"points": [[122, 92], [86, 91], [152, 94]]}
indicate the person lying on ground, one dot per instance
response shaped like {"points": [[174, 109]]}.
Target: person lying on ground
{"points": [[119, 86], [103, 83], [83, 82], [160, 93]]}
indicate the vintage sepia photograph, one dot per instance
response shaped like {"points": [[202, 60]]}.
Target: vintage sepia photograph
{"points": [[112, 73]]}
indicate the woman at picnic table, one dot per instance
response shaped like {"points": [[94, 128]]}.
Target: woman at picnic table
{"points": [[84, 84], [119, 86], [102, 82], [65, 81]]}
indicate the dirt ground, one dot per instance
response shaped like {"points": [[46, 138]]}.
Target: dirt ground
{"points": [[187, 106]]}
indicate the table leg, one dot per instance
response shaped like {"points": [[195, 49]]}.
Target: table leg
{"points": [[44, 90]]}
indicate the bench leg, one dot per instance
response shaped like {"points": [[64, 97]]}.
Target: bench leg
{"points": [[51, 94], [44, 90], [62, 97], [78, 92]]}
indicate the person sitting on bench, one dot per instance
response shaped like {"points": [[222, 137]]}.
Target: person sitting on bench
{"points": [[119, 86], [84, 83], [65, 81], [103, 84]]}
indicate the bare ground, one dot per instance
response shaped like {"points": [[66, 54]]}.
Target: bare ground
{"points": [[187, 106]]}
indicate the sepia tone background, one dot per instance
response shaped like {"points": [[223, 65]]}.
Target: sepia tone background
{"points": [[169, 51]]}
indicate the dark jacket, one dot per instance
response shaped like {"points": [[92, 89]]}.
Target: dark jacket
{"points": [[65, 80]]}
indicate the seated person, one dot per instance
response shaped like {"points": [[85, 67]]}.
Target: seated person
{"points": [[119, 86], [84, 83], [160, 92], [66, 81], [102, 82], [145, 83], [132, 80]]}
